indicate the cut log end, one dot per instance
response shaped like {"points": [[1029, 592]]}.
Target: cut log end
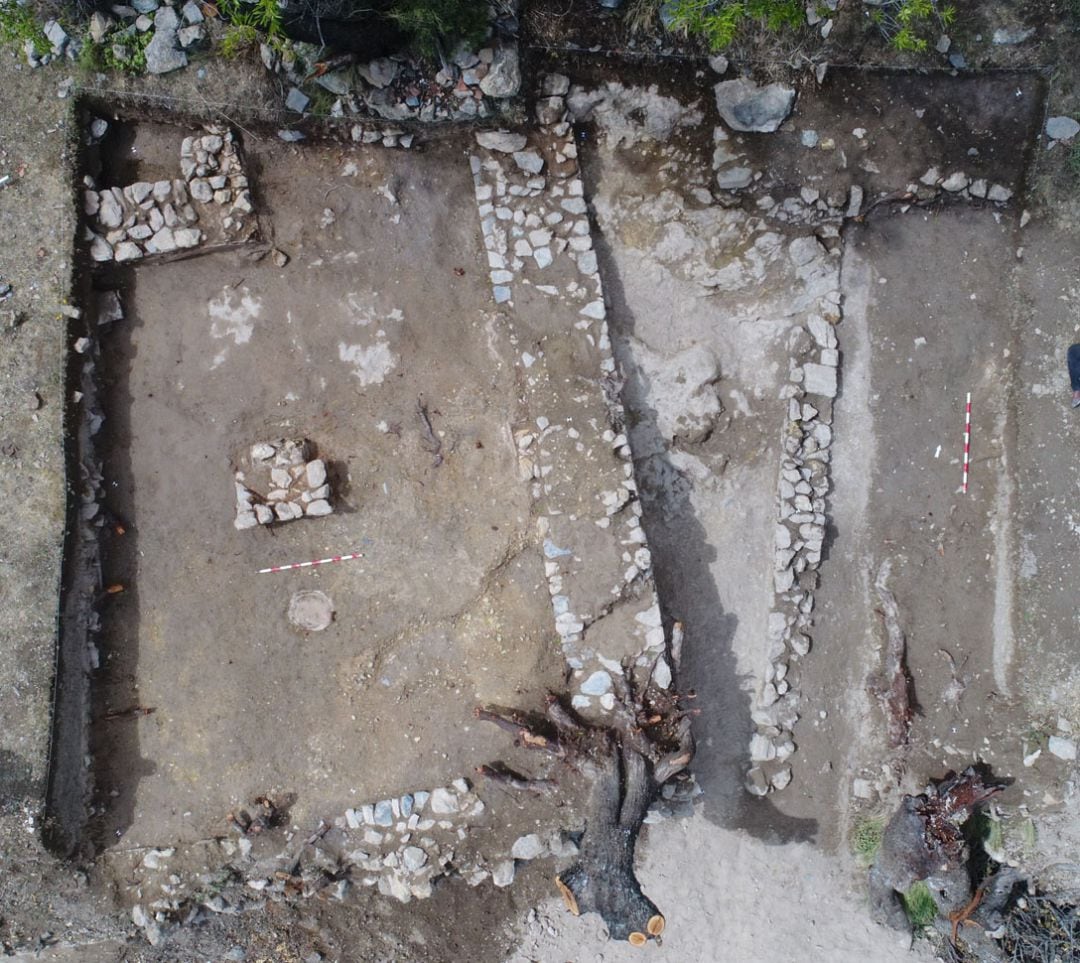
{"points": [[625, 764]]}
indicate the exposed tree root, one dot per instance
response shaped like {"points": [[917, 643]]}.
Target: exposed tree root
{"points": [[923, 841], [626, 763], [894, 690]]}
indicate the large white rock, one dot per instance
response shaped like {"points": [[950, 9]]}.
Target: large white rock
{"points": [[747, 107], [1062, 748], [504, 75], [312, 611], [1062, 128]]}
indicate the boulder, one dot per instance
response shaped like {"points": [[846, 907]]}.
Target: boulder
{"points": [[747, 107], [1007, 36], [297, 100], [379, 73], [163, 53], [529, 161], [504, 75], [1062, 128], [734, 178]]}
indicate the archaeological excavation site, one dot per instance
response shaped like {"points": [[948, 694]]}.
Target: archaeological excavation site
{"points": [[540, 481]]}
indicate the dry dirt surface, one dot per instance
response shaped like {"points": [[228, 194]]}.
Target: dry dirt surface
{"points": [[442, 613]]}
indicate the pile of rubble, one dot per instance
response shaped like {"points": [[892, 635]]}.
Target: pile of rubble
{"points": [[401, 88], [279, 483], [959, 184], [212, 167], [400, 846]]}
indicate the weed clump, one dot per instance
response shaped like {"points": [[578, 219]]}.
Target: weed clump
{"points": [[866, 839], [430, 22], [909, 25], [718, 24], [18, 24], [920, 906]]}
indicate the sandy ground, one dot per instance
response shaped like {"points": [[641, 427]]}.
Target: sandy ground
{"points": [[730, 896]]}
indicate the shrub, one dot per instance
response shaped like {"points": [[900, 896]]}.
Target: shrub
{"points": [[237, 38], [427, 22], [719, 23], [123, 50], [247, 21], [1074, 159]]}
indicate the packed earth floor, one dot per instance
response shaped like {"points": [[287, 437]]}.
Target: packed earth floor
{"points": [[623, 391]]}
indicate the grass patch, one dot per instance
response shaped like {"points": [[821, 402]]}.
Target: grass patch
{"points": [[909, 26], [248, 21], [866, 839], [18, 24], [719, 24], [920, 906], [1074, 155], [322, 101], [238, 39], [641, 15], [122, 50]]}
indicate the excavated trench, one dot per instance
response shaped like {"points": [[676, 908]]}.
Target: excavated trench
{"points": [[725, 635]]}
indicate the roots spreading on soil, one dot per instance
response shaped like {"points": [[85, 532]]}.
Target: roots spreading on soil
{"points": [[1042, 931], [894, 690], [625, 763]]}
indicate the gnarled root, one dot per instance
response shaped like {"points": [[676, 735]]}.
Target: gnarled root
{"points": [[626, 763]]}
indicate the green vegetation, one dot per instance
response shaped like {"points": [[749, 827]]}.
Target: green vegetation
{"points": [[125, 51], [920, 906], [18, 24], [866, 839], [263, 15], [910, 25], [719, 23], [122, 49], [428, 22], [248, 21], [91, 58], [322, 101], [238, 38]]}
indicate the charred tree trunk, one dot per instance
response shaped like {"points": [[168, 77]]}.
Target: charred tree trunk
{"points": [[625, 763], [924, 841]]}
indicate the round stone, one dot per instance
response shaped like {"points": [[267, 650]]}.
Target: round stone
{"points": [[312, 611]]}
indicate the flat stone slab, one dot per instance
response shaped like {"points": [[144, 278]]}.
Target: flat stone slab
{"points": [[312, 611]]}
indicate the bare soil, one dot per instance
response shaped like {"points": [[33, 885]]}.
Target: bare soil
{"points": [[445, 610]]}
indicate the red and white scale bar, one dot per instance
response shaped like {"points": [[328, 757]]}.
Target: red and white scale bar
{"points": [[318, 561], [967, 441]]}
